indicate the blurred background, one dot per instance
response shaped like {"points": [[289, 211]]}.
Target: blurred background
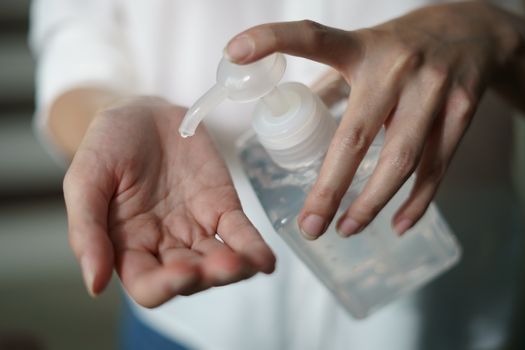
{"points": [[43, 303]]}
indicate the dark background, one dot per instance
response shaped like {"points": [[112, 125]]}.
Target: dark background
{"points": [[43, 304]]}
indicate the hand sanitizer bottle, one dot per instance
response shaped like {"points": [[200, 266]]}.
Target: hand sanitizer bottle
{"points": [[293, 129]]}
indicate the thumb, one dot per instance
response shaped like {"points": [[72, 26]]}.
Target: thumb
{"points": [[306, 39], [88, 188]]}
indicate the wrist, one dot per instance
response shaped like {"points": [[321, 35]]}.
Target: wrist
{"points": [[72, 113], [506, 31]]}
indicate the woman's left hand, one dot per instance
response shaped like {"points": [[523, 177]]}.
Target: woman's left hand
{"points": [[421, 76]]}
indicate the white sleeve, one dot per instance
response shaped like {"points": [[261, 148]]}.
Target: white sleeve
{"points": [[77, 43]]}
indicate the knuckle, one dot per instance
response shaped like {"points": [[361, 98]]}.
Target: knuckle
{"points": [[408, 57], [308, 24], [311, 26], [462, 104], [402, 161], [434, 172], [354, 141], [272, 34], [403, 59], [325, 195], [316, 32], [436, 74], [365, 210]]}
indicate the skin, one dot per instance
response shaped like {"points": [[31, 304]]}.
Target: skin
{"points": [[146, 203], [420, 76]]}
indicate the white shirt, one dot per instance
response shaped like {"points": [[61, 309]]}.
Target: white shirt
{"points": [[171, 48]]}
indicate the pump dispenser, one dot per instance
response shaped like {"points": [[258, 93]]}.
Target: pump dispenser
{"points": [[291, 122], [293, 129]]}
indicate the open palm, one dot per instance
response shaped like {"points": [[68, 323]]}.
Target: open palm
{"points": [[150, 204]]}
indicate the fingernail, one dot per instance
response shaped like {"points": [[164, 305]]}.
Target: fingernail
{"points": [[240, 48], [403, 225], [312, 226], [89, 276], [348, 227]]}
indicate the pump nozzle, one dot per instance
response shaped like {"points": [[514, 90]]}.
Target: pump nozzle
{"points": [[201, 108], [241, 83]]}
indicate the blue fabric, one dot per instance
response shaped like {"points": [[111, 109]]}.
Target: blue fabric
{"points": [[135, 335]]}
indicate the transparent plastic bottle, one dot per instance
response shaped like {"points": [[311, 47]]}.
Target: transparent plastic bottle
{"points": [[282, 158]]}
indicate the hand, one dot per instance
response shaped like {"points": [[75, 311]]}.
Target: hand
{"points": [[421, 76], [145, 201]]}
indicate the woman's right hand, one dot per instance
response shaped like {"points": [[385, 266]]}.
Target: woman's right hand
{"points": [[148, 203]]}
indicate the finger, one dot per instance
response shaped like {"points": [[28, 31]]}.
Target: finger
{"points": [[331, 87], [367, 110], [87, 191], [173, 256], [443, 141], [406, 133], [220, 264], [243, 238], [151, 283], [307, 39]]}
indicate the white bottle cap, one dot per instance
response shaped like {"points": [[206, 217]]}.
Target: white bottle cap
{"points": [[299, 136], [290, 121]]}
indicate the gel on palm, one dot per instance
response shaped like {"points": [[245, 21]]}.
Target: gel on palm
{"points": [[293, 129]]}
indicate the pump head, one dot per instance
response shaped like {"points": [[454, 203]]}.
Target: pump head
{"points": [[242, 83], [292, 123]]}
